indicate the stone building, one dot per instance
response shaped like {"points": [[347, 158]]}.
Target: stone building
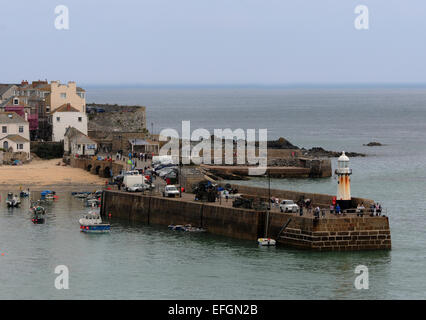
{"points": [[77, 143]]}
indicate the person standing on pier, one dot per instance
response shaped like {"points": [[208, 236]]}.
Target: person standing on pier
{"points": [[337, 209]]}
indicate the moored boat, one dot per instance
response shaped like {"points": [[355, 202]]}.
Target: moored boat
{"points": [[12, 200], [92, 223], [38, 213], [266, 242]]}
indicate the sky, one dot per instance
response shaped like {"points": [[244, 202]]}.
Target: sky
{"points": [[264, 42]]}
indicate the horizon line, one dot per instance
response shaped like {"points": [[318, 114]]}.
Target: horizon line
{"points": [[347, 85]]}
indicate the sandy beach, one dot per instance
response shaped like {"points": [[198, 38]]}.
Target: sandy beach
{"points": [[41, 173]]}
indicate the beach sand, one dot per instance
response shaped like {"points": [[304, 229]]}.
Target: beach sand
{"points": [[41, 173]]}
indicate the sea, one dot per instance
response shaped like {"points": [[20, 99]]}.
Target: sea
{"points": [[150, 262]]}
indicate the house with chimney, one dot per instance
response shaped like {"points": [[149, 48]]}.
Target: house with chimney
{"points": [[64, 117]]}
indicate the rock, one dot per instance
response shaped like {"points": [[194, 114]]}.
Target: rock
{"points": [[320, 152], [281, 143], [373, 144]]}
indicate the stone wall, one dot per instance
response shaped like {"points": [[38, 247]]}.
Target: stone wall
{"points": [[336, 233]]}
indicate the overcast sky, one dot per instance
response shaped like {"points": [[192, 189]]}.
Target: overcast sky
{"points": [[214, 42]]}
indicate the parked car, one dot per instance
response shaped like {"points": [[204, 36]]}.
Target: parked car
{"points": [[137, 188], [170, 191], [288, 206]]}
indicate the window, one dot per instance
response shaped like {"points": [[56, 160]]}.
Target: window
{"points": [[15, 101], [58, 119], [79, 119], [20, 146], [4, 129], [63, 95], [21, 129], [47, 108]]}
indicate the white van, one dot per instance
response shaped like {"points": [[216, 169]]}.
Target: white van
{"points": [[130, 180]]}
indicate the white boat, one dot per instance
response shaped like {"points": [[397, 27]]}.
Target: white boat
{"points": [[12, 201], [266, 242], [92, 223]]}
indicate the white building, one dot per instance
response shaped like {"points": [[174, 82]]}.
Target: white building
{"points": [[14, 133], [67, 116], [77, 143]]}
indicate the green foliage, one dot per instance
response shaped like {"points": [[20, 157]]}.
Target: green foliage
{"points": [[48, 150]]}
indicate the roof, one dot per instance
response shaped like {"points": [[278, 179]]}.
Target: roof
{"points": [[15, 138], [66, 108], [78, 136], [141, 142], [5, 87], [11, 117]]}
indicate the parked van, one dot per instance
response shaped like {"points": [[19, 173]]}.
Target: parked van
{"points": [[131, 180]]}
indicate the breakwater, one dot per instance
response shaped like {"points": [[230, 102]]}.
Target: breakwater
{"points": [[341, 233]]}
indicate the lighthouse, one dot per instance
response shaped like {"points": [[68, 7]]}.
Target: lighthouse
{"points": [[344, 182]]}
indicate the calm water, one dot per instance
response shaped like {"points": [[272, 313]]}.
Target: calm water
{"points": [[148, 262]]}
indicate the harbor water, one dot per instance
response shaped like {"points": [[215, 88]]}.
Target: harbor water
{"points": [[151, 262]]}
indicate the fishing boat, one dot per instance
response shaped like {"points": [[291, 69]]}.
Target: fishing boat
{"points": [[38, 213], [92, 223], [266, 242], [12, 200]]}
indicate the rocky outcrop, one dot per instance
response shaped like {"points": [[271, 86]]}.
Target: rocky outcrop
{"points": [[373, 144], [320, 152]]}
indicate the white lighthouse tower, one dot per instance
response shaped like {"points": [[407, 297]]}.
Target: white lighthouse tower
{"points": [[344, 182]]}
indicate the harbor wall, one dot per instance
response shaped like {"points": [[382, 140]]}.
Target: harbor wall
{"points": [[350, 233], [220, 220], [326, 234]]}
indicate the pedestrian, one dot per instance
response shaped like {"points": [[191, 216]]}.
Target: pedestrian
{"points": [[301, 211], [331, 209], [226, 192], [378, 209], [337, 209], [317, 212], [323, 212]]}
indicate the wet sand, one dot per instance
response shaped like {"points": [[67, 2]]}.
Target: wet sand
{"points": [[42, 173]]}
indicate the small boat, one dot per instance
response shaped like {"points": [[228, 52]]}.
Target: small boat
{"points": [[92, 223], [24, 194], [266, 242], [92, 202], [48, 195], [12, 201], [81, 195], [38, 213], [186, 228], [178, 227]]}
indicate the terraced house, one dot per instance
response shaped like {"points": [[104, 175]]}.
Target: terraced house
{"points": [[40, 99], [14, 133]]}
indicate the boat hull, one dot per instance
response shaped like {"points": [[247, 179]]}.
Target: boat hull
{"points": [[100, 228]]}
